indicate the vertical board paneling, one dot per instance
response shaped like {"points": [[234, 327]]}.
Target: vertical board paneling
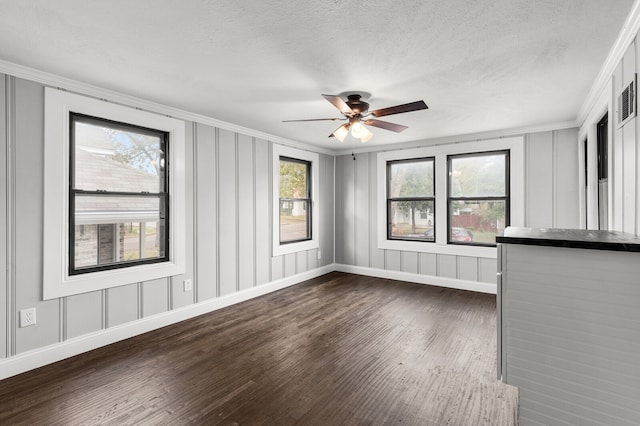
{"points": [[290, 264], [155, 297], [83, 314], [4, 166], [179, 297], [205, 212], [325, 201], [468, 268], [340, 214], [566, 179], [488, 269], [312, 259], [348, 187], [618, 181], [362, 221], [629, 176], [122, 304], [376, 255], [539, 180], [447, 266], [302, 260], [616, 160], [246, 212], [277, 268], [262, 212], [429, 264], [409, 262], [227, 212], [28, 147], [393, 260], [629, 164]]}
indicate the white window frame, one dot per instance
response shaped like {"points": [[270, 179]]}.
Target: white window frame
{"points": [[56, 279], [314, 159], [515, 145]]}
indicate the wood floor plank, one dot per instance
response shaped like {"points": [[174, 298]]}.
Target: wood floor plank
{"points": [[340, 349]]}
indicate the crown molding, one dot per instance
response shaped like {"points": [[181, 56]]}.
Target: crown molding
{"points": [[625, 38], [80, 88], [469, 137]]}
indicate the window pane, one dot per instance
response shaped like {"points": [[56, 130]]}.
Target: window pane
{"points": [[111, 243], [478, 176], [97, 208], [293, 179], [111, 159], [294, 220], [476, 221], [411, 179], [412, 220]]}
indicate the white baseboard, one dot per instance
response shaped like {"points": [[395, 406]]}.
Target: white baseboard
{"points": [[49, 354], [420, 279]]}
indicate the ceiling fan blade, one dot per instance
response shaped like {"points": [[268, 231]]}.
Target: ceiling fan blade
{"points": [[385, 125], [314, 119], [339, 103], [341, 132], [398, 109]]}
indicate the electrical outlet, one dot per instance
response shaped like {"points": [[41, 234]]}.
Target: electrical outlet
{"points": [[319, 255], [27, 317], [186, 285]]}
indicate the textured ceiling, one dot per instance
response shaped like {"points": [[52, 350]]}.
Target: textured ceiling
{"points": [[480, 65]]}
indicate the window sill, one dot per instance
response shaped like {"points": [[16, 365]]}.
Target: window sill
{"points": [[70, 285], [283, 249], [437, 248]]}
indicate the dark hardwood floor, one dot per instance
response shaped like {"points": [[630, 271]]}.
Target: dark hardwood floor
{"points": [[336, 350]]}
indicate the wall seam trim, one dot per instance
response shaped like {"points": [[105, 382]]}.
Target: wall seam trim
{"points": [[237, 206], [255, 216], [11, 215], [194, 165], [217, 208]]}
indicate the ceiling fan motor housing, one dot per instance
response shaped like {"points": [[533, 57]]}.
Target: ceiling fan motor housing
{"points": [[358, 106]]}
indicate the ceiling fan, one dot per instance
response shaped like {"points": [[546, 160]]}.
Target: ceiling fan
{"points": [[356, 111]]}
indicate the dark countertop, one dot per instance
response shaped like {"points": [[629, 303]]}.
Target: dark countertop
{"points": [[571, 238]]}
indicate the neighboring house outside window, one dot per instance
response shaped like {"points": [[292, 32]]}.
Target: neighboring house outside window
{"points": [[411, 199], [478, 205]]}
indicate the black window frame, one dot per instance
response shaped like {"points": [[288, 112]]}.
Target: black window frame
{"points": [[308, 200], [506, 198], [390, 200], [163, 195]]}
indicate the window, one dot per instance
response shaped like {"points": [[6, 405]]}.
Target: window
{"points": [[295, 206], [118, 195], [437, 223], [295, 200], [410, 199], [478, 191], [114, 195]]}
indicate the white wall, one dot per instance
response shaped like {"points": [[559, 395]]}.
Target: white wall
{"points": [[624, 156], [228, 184], [551, 200]]}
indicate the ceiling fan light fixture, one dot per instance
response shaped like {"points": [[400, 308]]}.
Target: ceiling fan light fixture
{"points": [[341, 132], [366, 137], [358, 130]]}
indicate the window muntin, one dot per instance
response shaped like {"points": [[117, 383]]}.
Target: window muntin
{"points": [[478, 204], [118, 197], [294, 200], [411, 199]]}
